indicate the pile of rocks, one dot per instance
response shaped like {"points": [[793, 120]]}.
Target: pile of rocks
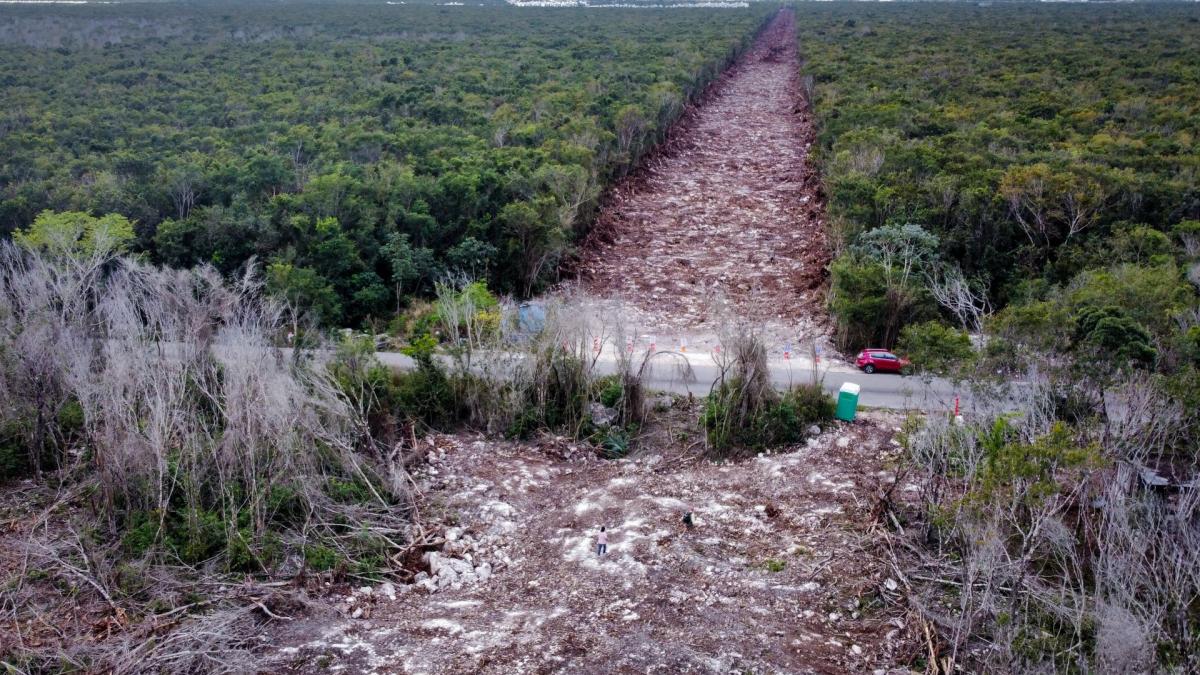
{"points": [[463, 561]]}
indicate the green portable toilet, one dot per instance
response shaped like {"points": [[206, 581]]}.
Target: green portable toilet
{"points": [[847, 403]]}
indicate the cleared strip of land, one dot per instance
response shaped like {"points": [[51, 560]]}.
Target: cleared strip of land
{"points": [[729, 210]]}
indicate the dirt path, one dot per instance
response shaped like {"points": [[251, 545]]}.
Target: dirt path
{"points": [[779, 575], [729, 209]]}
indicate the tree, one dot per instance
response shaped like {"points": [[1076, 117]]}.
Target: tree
{"points": [[80, 243], [1050, 206], [304, 290], [535, 244], [1142, 244], [901, 250], [1152, 296], [471, 256], [410, 264], [879, 287], [631, 128], [77, 234], [1188, 233], [571, 186], [966, 301], [184, 181], [934, 347], [1110, 335]]}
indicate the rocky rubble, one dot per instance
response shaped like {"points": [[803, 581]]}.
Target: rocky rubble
{"points": [[473, 567], [779, 573]]}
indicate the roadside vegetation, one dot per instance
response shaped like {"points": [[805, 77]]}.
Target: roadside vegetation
{"points": [[1013, 195]]}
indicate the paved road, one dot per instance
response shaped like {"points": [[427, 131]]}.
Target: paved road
{"points": [[877, 391]]}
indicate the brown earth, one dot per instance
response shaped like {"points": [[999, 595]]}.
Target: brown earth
{"points": [[781, 573], [729, 209]]}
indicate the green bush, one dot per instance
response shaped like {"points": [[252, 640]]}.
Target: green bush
{"points": [[774, 565], [615, 442], [1111, 335], [934, 347], [425, 395], [247, 553], [556, 393], [780, 420], [141, 534], [320, 558], [18, 457], [810, 404], [14, 451], [347, 491], [609, 390], [1151, 296], [284, 505], [197, 535]]}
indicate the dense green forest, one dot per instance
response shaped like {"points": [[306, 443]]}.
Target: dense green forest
{"points": [[1045, 157], [1033, 142], [359, 152]]}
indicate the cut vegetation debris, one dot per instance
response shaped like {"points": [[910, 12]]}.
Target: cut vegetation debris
{"points": [[782, 572], [729, 209]]}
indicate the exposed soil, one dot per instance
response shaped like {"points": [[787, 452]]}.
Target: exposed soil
{"points": [[728, 209], [780, 573]]}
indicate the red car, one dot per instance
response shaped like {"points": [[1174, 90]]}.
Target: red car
{"points": [[871, 360]]}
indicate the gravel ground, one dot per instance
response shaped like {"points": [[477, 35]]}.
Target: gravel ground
{"points": [[781, 572]]}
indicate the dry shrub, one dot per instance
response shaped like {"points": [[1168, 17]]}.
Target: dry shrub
{"points": [[192, 419], [519, 380], [1047, 549]]}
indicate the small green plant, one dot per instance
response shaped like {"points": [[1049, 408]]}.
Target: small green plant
{"points": [[320, 558], [142, 533], [615, 442], [774, 565], [609, 390], [347, 491]]}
